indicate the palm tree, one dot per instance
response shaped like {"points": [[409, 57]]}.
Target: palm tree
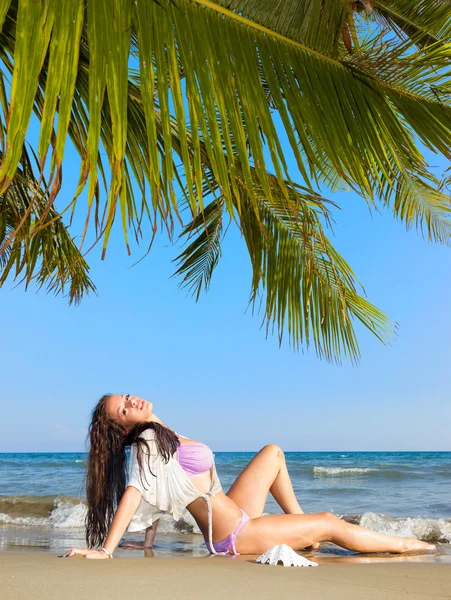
{"points": [[356, 84]]}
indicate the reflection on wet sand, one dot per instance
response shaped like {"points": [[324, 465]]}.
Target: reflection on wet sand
{"points": [[386, 558], [57, 541]]}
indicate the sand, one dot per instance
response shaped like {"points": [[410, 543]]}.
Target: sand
{"points": [[38, 576]]}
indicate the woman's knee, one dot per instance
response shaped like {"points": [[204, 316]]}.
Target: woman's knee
{"points": [[273, 449], [327, 525], [328, 517]]}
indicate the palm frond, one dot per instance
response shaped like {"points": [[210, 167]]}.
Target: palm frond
{"points": [[341, 121], [305, 287], [49, 258], [198, 261], [317, 24], [211, 76], [419, 205], [415, 196], [308, 289], [426, 21]]}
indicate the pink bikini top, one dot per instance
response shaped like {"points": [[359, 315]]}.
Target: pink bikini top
{"points": [[195, 458]]}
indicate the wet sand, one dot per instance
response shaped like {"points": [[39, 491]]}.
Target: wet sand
{"points": [[38, 576]]}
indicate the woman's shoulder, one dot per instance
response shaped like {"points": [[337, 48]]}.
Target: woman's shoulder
{"points": [[148, 435], [147, 445]]}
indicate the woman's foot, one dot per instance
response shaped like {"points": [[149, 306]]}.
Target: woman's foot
{"points": [[414, 545], [134, 545], [314, 546]]}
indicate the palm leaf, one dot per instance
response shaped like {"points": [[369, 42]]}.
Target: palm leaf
{"points": [[317, 24], [296, 265], [198, 261], [427, 21], [49, 258], [303, 284], [210, 77], [357, 129]]}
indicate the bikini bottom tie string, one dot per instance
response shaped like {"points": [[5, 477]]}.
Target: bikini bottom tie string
{"points": [[207, 497]]}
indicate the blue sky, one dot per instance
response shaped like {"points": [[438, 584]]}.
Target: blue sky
{"points": [[208, 367]]}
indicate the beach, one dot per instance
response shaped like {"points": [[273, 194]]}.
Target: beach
{"points": [[42, 511], [38, 576]]}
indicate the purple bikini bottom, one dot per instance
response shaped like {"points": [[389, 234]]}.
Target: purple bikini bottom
{"points": [[229, 542]]}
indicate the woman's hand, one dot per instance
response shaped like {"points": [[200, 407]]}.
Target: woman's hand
{"points": [[86, 552], [127, 507]]}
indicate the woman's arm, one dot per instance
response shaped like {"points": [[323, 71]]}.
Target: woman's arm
{"points": [[126, 509]]}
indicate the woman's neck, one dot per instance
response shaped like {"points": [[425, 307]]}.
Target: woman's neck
{"points": [[155, 419]]}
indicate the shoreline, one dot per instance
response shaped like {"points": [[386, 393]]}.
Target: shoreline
{"points": [[37, 575], [37, 540], [332, 556]]}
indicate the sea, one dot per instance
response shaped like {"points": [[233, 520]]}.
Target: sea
{"points": [[42, 499]]}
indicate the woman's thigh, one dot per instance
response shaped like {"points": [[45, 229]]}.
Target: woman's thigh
{"points": [[251, 487], [297, 531]]}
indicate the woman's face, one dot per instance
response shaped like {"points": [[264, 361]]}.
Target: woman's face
{"points": [[128, 410]]}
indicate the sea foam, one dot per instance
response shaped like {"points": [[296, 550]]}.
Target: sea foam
{"points": [[428, 530], [65, 512], [342, 471]]}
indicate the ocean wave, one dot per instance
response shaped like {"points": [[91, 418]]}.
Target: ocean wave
{"points": [[428, 530], [335, 492], [382, 473], [342, 470], [43, 511], [62, 464], [48, 463], [186, 524], [66, 512], [29, 506]]}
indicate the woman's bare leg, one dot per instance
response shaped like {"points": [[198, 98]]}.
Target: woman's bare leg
{"points": [[300, 531], [148, 539], [266, 472]]}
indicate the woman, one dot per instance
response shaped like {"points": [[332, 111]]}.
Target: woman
{"points": [[169, 473]]}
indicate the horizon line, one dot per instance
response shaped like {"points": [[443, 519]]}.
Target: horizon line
{"points": [[225, 451]]}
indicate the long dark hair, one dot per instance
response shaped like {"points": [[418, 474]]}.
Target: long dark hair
{"points": [[106, 476]]}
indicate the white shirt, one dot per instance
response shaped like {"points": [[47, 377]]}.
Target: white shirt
{"points": [[168, 490]]}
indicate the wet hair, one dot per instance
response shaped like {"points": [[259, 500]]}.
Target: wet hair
{"points": [[106, 469]]}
